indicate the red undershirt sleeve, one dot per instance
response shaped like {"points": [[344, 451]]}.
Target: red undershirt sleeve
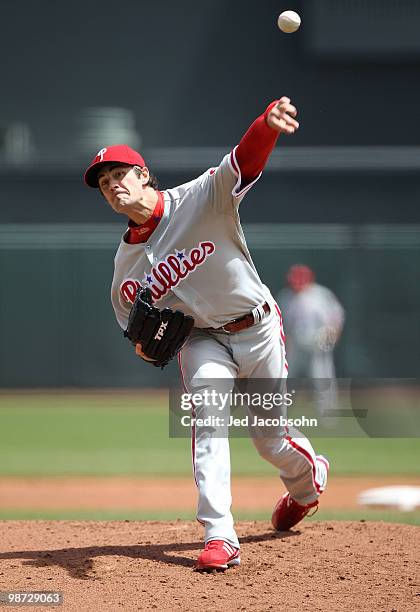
{"points": [[255, 147]]}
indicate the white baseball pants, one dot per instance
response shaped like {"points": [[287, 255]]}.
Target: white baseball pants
{"points": [[254, 353]]}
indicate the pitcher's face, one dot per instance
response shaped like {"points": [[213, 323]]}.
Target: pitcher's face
{"points": [[122, 185]]}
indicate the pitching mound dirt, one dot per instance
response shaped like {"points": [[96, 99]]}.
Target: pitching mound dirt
{"points": [[334, 566]]}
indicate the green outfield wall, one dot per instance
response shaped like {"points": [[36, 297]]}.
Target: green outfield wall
{"points": [[58, 327]]}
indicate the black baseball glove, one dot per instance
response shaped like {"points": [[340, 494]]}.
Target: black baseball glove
{"points": [[161, 333]]}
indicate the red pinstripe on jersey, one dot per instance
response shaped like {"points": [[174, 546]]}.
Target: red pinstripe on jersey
{"points": [[233, 163], [282, 334]]}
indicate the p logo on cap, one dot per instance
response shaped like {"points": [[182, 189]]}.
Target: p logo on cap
{"points": [[100, 155]]}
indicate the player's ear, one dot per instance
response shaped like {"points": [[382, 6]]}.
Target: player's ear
{"points": [[142, 174]]}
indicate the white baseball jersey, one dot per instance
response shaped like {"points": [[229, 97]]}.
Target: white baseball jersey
{"points": [[196, 260], [307, 312]]}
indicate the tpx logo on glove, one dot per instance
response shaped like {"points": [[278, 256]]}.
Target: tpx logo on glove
{"points": [[160, 332]]}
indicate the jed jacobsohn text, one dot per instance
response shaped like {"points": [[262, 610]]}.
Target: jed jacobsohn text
{"points": [[247, 421], [220, 401]]}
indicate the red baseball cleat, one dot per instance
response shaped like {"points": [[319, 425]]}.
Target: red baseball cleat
{"points": [[288, 512], [218, 555]]}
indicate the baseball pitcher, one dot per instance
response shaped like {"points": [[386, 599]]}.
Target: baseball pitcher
{"points": [[184, 284]]}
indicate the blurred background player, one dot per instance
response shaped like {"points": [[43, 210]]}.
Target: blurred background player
{"points": [[314, 319]]}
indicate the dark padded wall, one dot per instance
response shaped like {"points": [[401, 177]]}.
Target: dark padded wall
{"points": [[194, 73]]}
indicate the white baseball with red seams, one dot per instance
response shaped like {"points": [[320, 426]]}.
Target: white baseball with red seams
{"points": [[197, 260]]}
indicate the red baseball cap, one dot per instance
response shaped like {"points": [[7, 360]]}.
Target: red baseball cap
{"points": [[114, 154], [299, 276]]}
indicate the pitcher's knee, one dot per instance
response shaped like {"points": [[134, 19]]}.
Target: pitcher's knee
{"points": [[268, 449]]}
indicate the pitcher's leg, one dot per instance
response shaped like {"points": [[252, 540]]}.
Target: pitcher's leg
{"points": [[207, 365], [285, 448], [302, 471], [212, 475]]}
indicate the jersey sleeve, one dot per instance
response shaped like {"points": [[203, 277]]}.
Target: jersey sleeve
{"points": [[243, 166], [254, 148]]}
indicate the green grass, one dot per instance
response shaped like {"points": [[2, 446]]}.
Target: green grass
{"points": [[347, 456], [58, 434], [88, 435]]}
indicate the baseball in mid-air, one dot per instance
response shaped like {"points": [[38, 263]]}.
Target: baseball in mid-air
{"points": [[289, 21]]}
